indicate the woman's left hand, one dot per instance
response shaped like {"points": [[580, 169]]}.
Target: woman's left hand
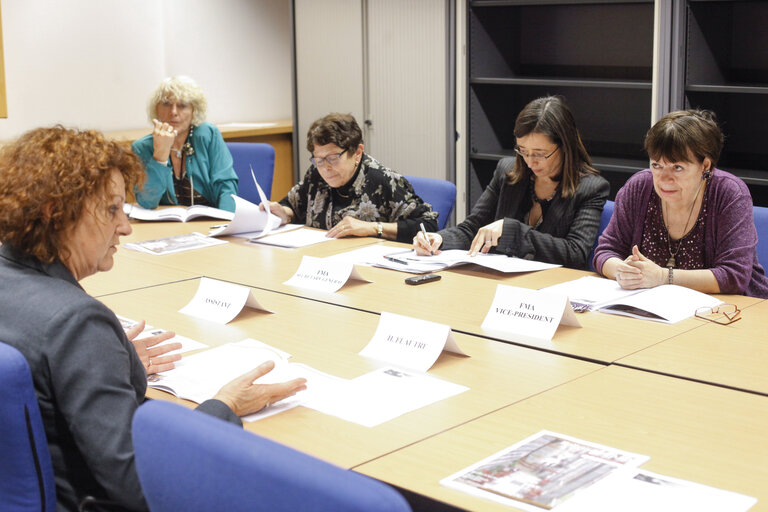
{"points": [[487, 237], [151, 356], [350, 226], [637, 271]]}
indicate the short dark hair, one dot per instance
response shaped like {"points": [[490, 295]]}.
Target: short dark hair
{"points": [[680, 134], [552, 117], [335, 128]]}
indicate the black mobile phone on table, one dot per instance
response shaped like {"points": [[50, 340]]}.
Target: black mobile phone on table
{"points": [[427, 278]]}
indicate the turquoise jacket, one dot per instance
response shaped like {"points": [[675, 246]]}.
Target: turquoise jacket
{"points": [[210, 168]]}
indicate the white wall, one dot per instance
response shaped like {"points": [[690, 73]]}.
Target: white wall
{"points": [[94, 63]]}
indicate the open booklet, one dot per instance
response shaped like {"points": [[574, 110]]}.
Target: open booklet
{"points": [[176, 213], [668, 303]]}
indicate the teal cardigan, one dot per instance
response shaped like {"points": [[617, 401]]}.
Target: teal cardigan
{"points": [[210, 167]]}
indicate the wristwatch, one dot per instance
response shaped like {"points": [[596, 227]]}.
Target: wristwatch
{"points": [[379, 230]]}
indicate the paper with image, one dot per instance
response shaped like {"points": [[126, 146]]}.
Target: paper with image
{"points": [[410, 342], [323, 275], [220, 302]]}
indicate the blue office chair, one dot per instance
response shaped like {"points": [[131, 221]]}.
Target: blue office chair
{"points": [[26, 472], [261, 157], [761, 224], [441, 194], [605, 218], [190, 461]]}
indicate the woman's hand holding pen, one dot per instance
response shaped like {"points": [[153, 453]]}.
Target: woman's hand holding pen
{"points": [[427, 246], [487, 237], [150, 355]]}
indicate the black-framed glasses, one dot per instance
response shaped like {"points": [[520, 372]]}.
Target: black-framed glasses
{"points": [[724, 314], [536, 156], [330, 159]]}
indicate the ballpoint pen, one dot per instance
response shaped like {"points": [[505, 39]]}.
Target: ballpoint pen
{"points": [[396, 260], [424, 232]]}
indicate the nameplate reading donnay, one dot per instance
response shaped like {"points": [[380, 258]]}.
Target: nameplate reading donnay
{"points": [[220, 302], [323, 274], [524, 314], [410, 342]]}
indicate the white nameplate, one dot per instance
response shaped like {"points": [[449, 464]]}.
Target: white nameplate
{"points": [[220, 302], [410, 342], [521, 313], [323, 275]]}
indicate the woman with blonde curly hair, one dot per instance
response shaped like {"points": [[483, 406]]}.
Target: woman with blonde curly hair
{"points": [[61, 219], [186, 159]]}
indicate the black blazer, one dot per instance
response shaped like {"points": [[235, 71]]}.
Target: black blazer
{"points": [[565, 236]]}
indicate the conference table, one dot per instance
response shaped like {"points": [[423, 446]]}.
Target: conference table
{"points": [[690, 394]]}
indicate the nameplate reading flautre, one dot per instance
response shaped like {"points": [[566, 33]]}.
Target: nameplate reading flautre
{"points": [[220, 302], [409, 342]]}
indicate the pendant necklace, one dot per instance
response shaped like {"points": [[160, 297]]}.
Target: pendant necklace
{"points": [[671, 260]]}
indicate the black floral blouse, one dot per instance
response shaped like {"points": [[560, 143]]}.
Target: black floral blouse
{"points": [[374, 194]]}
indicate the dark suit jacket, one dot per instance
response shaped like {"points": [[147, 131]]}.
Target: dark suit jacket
{"points": [[565, 236], [87, 377]]}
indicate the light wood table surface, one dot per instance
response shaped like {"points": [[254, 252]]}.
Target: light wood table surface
{"points": [[460, 299], [329, 338], [705, 434], [733, 355]]}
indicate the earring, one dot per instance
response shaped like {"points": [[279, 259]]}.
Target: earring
{"points": [[706, 174]]}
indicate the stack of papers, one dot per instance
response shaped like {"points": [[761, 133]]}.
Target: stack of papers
{"points": [[175, 243], [175, 213], [408, 261]]}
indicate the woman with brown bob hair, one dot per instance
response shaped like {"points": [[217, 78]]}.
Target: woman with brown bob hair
{"points": [[545, 204], [683, 221], [61, 218]]}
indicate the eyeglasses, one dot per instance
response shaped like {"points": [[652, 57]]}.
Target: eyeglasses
{"points": [[536, 156], [724, 314], [331, 160]]}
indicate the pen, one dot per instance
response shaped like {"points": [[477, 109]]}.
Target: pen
{"points": [[424, 232], [217, 226], [396, 260]]}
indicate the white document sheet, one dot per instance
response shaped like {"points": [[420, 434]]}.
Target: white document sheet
{"points": [[521, 313], [409, 342], [323, 275], [219, 301], [644, 491], [294, 238], [249, 218], [382, 395], [409, 261], [255, 235]]}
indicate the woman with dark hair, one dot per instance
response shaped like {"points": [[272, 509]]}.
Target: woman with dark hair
{"points": [[545, 204], [61, 219], [683, 221], [348, 192]]}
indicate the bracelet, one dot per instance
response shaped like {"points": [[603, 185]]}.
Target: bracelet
{"points": [[671, 280]]}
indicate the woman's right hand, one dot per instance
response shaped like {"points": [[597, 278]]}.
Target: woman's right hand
{"points": [[244, 396], [163, 136], [279, 210], [427, 247]]}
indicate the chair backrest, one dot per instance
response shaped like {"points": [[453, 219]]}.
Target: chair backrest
{"points": [[761, 224], [441, 194], [26, 472], [190, 461], [605, 218], [261, 157]]}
